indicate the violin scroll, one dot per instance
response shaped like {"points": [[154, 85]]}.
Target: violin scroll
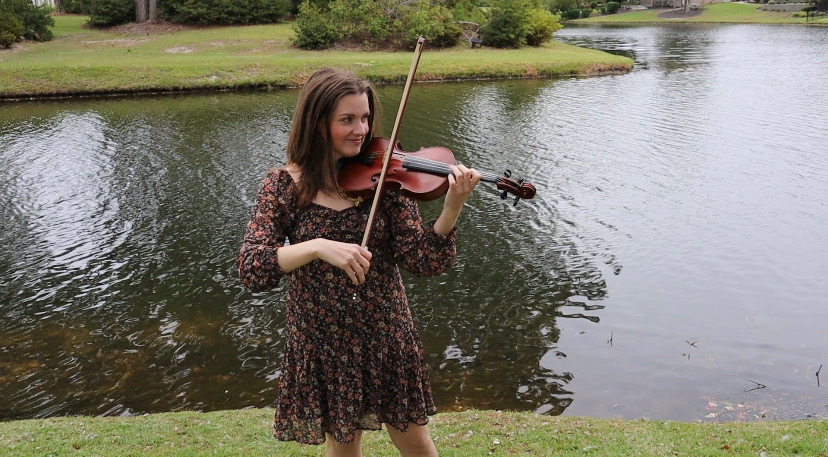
{"points": [[520, 189]]}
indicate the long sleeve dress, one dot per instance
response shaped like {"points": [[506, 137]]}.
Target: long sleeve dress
{"points": [[349, 363]]}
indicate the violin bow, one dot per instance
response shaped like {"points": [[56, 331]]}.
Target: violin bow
{"points": [[393, 139]]}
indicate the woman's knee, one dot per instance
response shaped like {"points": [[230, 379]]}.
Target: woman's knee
{"points": [[351, 449], [416, 441]]}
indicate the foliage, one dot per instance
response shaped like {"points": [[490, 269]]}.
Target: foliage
{"points": [[76, 6], [35, 19], [613, 7], [10, 29], [224, 12], [508, 24], [465, 10], [434, 23], [313, 29], [542, 24], [104, 13], [558, 6], [363, 22], [576, 14], [375, 23]]}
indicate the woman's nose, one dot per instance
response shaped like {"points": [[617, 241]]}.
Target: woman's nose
{"points": [[362, 128]]}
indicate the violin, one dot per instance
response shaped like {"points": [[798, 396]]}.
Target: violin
{"points": [[422, 175]]}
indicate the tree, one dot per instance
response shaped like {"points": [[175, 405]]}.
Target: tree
{"points": [[145, 10]]}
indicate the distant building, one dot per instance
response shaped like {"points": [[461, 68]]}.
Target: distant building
{"points": [[44, 2]]}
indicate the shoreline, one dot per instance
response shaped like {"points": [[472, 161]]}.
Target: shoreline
{"points": [[266, 87], [162, 59]]}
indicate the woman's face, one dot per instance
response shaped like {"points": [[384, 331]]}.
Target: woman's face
{"points": [[349, 125]]}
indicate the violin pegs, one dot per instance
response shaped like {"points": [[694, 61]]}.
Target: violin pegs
{"points": [[503, 195], [517, 198], [507, 173]]}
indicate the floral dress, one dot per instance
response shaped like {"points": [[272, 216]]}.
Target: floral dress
{"points": [[352, 358]]}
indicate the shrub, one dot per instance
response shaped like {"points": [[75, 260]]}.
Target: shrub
{"points": [[542, 24], [224, 12], [104, 13], [613, 7], [576, 14], [35, 19], [464, 10], [559, 6], [363, 22], [313, 29], [10, 29], [507, 27], [435, 23], [76, 6]]}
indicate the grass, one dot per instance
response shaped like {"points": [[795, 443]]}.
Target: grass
{"points": [[88, 61], [461, 434], [742, 13]]}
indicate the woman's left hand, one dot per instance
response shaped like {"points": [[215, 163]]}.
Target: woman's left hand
{"points": [[462, 181]]}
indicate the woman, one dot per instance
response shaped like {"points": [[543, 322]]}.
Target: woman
{"points": [[352, 360]]}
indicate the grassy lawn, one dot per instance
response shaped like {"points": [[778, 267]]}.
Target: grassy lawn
{"points": [[463, 434], [713, 13], [84, 61]]}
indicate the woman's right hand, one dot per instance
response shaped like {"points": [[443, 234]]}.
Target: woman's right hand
{"points": [[353, 259]]}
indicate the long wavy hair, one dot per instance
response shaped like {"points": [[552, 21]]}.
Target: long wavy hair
{"points": [[309, 146]]}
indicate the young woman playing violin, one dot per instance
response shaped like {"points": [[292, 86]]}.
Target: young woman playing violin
{"points": [[352, 359]]}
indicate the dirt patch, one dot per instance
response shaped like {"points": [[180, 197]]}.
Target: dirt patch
{"points": [[149, 28], [680, 14]]}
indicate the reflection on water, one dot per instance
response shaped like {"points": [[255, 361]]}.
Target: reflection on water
{"points": [[678, 204]]}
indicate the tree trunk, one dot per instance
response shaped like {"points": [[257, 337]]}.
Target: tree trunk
{"points": [[141, 11], [153, 11]]}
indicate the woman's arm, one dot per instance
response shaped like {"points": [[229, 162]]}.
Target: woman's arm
{"points": [[351, 258], [461, 183]]}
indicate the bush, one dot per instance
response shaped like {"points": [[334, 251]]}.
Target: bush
{"points": [[577, 14], [542, 24], [104, 13], [613, 7], [224, 12], [313, 29], [10, 29], [434, 23], [507, 27], [76, 6], [34, 19], [363, 22]]}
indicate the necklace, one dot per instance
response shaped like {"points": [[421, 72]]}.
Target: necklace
{"points": [[355, 201]]}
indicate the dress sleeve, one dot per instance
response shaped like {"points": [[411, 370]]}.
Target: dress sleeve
{"points": [[265, 234], [416, 246]]}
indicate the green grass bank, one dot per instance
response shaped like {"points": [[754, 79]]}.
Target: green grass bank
{"points": [[462, 434], [714, 13], [149, 59]]}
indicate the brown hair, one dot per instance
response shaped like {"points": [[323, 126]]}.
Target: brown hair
{"points": [[309, 146]]}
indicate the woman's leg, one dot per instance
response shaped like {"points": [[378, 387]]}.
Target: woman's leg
{"points": [[414, 443], [337, 449]]}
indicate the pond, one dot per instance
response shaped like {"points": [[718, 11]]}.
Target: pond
{"points": [[671, 265]]}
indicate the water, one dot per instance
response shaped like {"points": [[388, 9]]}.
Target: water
{"points": [[671, 265]]}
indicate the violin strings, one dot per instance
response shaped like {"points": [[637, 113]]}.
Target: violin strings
{"points": [[433, 166]]}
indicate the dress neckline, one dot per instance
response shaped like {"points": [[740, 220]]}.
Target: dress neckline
{"points": [[293, 184]]}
